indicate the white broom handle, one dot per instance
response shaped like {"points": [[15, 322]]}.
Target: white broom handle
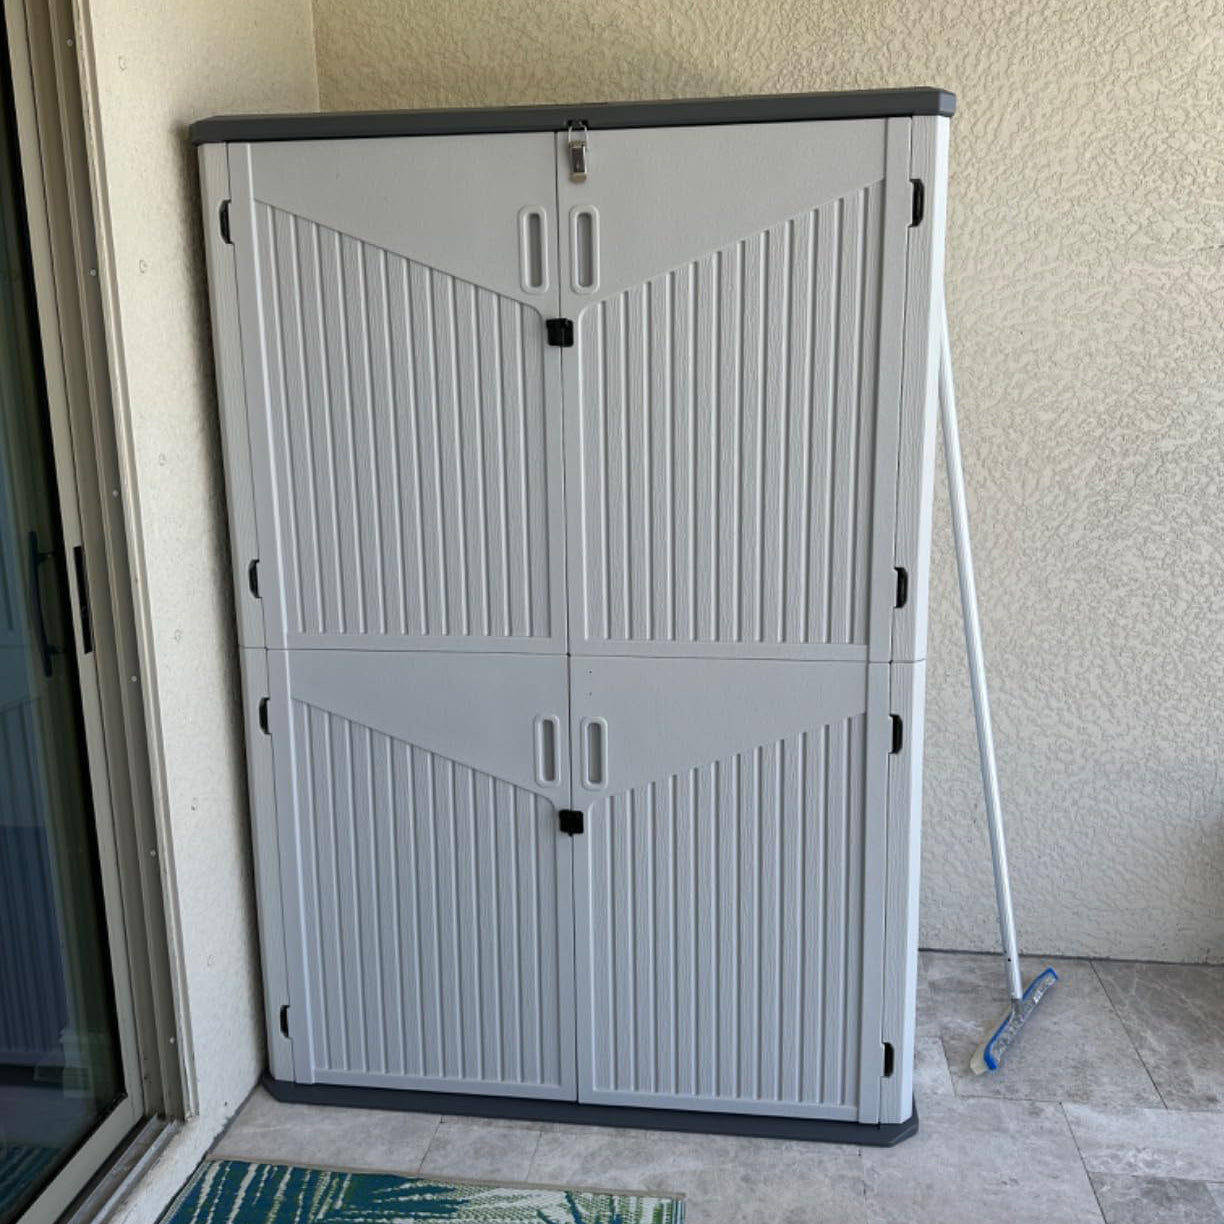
{"points": [[977, 666]]}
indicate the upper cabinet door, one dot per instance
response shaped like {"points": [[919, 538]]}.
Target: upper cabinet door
{"points": [[733, 393], [403, 404]]}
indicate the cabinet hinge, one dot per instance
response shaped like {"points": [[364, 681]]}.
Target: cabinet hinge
{"points": [[918, 202], [284, 1019], [263, 716], [902, 587], [560, 332], [253, 577], [898, 733], [225, 222], [570, 820]]}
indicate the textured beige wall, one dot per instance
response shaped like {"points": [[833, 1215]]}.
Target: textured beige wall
{"points": [[149, 70], [1086, 280]]}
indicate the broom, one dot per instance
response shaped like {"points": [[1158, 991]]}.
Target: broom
{"points": [[1024, 1000]]}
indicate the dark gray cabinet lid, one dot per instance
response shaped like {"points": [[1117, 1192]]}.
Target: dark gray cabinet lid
{"points": [[768, 108]]}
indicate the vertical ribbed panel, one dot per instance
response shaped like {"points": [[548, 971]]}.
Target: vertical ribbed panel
{"points": [[723, 905], [431, 903], [406, 414], [727, 423], [33, 1006]]}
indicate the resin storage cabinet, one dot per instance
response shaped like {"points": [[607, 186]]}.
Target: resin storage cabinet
{"points": [[580, 467]]}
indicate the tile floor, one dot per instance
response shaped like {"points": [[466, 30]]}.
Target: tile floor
{"points": [[1111, 1108]]}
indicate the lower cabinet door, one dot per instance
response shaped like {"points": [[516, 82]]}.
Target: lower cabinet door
{"points": [[426, 887], [729, 883]]}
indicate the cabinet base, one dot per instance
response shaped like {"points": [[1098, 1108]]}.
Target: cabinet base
{"points": [[817, 1130]]}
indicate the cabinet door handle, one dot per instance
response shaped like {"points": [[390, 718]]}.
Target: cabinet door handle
{"points": [[594, 733], [584, 248], [533, 249], [547, 736]]}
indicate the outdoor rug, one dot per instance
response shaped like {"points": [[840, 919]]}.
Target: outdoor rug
{"points": [[239, 1192]]}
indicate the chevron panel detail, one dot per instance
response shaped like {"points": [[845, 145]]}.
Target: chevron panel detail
{"points": [[726, 424], [721, 909], [431, 906], [406, 415]]}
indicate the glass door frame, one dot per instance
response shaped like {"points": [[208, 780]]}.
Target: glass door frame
{"points": [[60, 219]]}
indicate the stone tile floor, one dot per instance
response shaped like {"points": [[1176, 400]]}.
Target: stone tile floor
{"points": [[1111, 1108]]}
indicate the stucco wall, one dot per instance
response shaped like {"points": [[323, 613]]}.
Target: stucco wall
{"points": [[1086, 281], [149, 69]]}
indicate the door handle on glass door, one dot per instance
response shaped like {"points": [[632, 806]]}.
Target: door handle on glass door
{"points": [[594, 736], [36, 558]]}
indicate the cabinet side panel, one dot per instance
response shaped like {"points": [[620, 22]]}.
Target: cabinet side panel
{"points": [[231, 395], [261, 788], [908, 683], [919, 392]]}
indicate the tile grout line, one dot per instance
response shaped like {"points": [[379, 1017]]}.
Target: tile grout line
{"points": [[534, 1152], [1126, 1029], [535, 1149], [957, 1095], [1079, 1151], [420, 1164], [862, 1166], [947, 1066]]}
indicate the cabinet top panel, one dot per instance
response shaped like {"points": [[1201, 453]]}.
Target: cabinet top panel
{"points": [[768, 108]]}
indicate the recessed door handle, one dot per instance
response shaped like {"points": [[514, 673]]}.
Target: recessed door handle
{"points": [[533, 249], [547, 737], [594, 736], [584, 248]]}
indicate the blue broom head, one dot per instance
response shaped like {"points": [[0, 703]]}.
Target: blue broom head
{"points": [[989, 1056]]}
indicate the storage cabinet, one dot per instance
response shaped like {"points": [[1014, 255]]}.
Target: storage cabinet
{"points": [[579, 467]]}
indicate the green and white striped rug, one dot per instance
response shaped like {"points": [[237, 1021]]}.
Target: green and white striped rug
{"points": [[237, 1192]]}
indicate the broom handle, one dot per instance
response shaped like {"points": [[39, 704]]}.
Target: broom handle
{"points": [[977, 666]]}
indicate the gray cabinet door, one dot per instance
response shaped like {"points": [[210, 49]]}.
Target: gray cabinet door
{"points": [[733, 407], [402, 403], [733, 394], [427, 898], [729, 884]]}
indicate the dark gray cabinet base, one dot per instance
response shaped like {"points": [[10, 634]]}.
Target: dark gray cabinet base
{"points": [[815, 1130]]}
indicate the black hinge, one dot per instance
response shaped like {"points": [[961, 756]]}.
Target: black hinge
{"points": [[284, 1019], [560, 332], [571, 821], [263, 716], [898, 733], [918, 204], [82, 585], [253, 577], [890, 1059], [902, 587], [225, 224]]}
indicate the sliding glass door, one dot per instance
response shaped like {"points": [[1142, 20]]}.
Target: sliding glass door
{"points": [[61, 1057]]}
